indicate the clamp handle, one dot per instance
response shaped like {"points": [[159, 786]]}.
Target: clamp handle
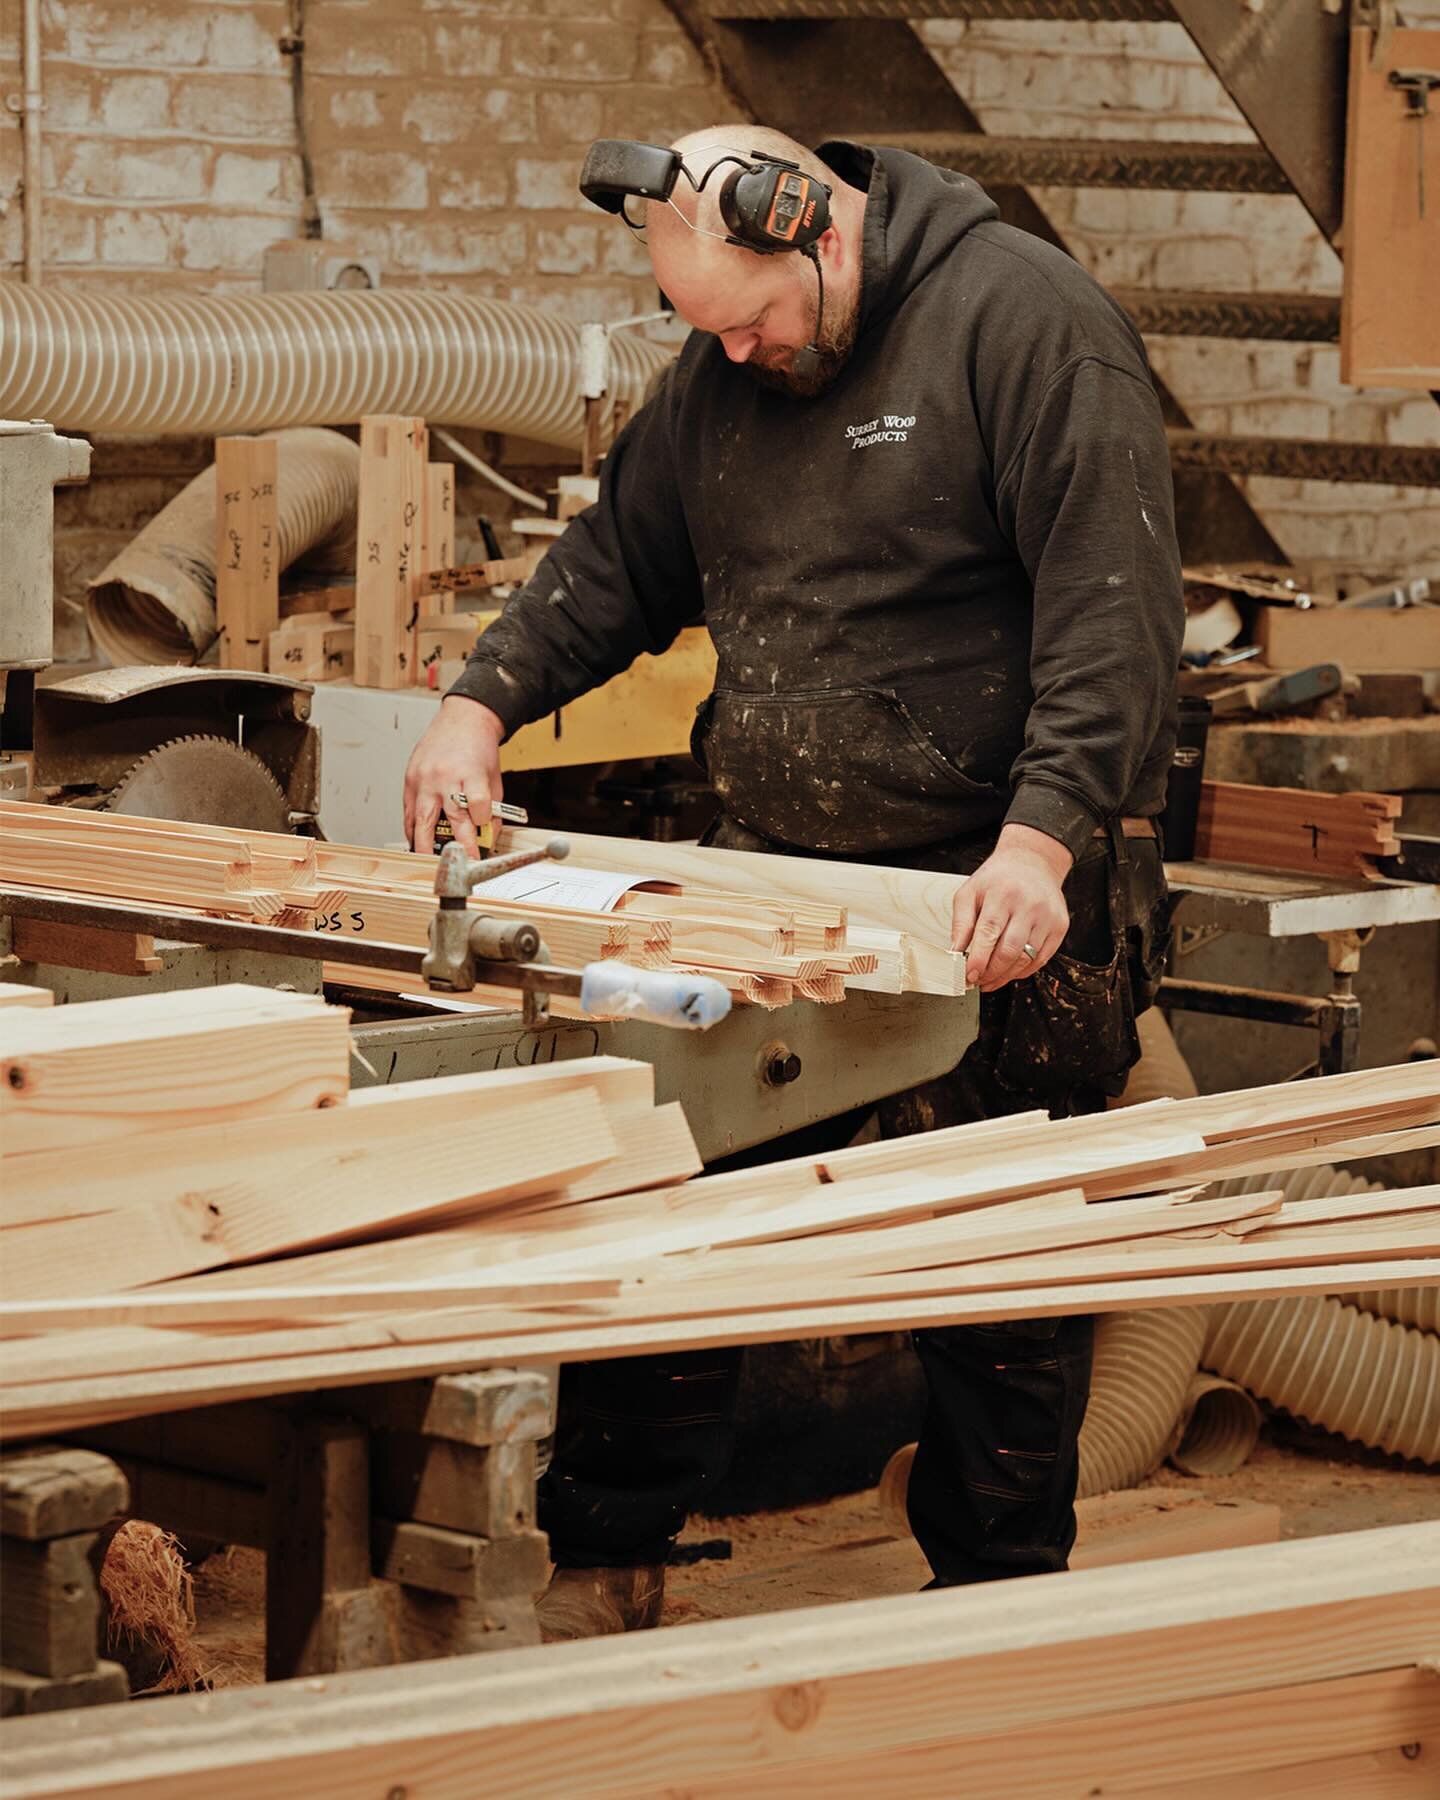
{"points": [[458, 875]]}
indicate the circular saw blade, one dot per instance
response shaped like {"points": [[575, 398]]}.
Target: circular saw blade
{"points": [[204, 781]]}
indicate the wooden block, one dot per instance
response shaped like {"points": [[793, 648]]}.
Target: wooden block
{"points": [[453, 1562], [313, 652], [438, 547], [490, 1406], [16, 993], [575, 493], [1359, 639], [84, 947], [487, 1493], [23, 1695], [1389, 323], [317, 600], [319, 1550], [55, 1490], [51, 1610], [441, 639], [394, 460], [247, 551], [429, 1626]]}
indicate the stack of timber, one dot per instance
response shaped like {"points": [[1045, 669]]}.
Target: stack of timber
{"points": [[1290, 828], [769, 947], [279, 1234], [1295, 1669]]}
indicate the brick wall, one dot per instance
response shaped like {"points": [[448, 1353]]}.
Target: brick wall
{"points": [[446, 137]]}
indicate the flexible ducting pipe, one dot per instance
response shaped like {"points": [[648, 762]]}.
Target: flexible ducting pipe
{"points": [[90, 361], [155, 603], [1334, 1366], [1144, 1362], [1218, 1428], [1415, 1306]]}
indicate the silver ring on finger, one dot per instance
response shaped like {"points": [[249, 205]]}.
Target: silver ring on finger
{"points": [[1028, 952], [458, 799]]}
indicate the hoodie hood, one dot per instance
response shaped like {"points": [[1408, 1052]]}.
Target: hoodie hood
{"points": [[915, 216]]}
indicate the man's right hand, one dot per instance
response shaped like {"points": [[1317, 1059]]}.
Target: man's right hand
{"points": [[454, 769]]}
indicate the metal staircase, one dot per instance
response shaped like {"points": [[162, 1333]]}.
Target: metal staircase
{"points": [[854, 68]]}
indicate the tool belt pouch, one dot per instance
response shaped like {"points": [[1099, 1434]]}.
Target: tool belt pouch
{"points": [[1070, 1026]]}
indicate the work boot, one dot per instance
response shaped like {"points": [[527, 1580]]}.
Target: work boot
{"points": [[583, 1603]]}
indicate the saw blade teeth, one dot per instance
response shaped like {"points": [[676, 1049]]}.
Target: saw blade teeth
{"points": [[204, 779]]}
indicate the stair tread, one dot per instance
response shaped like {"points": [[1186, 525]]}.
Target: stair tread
{"points": [[1179, 312], [1306, 459], [1095, 11]]}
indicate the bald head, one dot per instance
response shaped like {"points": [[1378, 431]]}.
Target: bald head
{"points": [[762, 307]]}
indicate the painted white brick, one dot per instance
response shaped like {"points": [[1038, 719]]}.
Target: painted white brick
{"points": [[100, 168], [481, 183], [382, 178], [135, 104], [136, 239], [111, 31], [548, 183], [244, 180], [356, 108]]}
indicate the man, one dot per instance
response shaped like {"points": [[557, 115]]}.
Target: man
{"points": [[932, 538]]}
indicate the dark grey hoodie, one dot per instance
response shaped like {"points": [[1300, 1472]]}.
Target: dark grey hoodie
{"points": [[944, 594]]}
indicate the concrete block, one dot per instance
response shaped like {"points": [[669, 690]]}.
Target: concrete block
{"points": [[473, 183], [465, 50], [134, 239], [237, 105], [114, 31], [104, 169], [546, 184], [132, 105], [566, 249], [375, 178], [570, 118], [243, 179], [598, 53]]}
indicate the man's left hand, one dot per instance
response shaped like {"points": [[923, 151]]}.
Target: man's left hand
{"points": [[1011, 916]]}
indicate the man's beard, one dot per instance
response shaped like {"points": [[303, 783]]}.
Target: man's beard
{"points": [[834, 352]]}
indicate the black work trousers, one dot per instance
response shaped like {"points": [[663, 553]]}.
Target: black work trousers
{"points": [[643, 1441]]}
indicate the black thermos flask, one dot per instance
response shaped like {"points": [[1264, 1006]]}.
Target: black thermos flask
{"points": [[1182, 794]]}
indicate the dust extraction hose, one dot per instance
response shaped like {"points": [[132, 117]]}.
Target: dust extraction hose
{"points": [[1144, 1363], [89, 361], [1334, 1366], [1379, 1378], [155, 603]]}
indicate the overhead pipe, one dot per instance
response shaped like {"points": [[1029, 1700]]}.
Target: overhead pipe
{"points": [[31, 106], [95, 361]]}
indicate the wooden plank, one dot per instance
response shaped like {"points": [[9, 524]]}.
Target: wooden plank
{"points": [[649, 1712], [919, 903], [17, 993], [394, 460], [247, 549], [317, 600], [445, 638], [82, 947], [225, 1200], [56, 1490], [74, 1078], [1359, 640], [437, 549], [1125, 1752], [46, 1407], [1291, 828], [52, 1605], [1389, 332]]}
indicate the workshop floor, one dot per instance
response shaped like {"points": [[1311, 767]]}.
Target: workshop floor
{"points": [[841, 1549]]}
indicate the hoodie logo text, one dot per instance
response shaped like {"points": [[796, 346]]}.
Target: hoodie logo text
{"points": [[891, 428]]}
